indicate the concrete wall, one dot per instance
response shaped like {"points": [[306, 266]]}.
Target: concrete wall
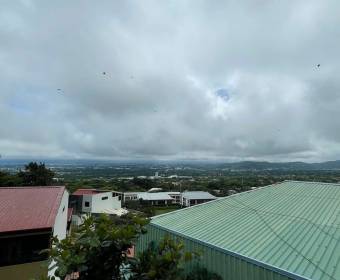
{"points": [[86, 198], [99, 205], [60, 223]]}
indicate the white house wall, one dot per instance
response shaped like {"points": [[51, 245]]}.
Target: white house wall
{"points": [[99, 205], [87, 198], [60, 224]]}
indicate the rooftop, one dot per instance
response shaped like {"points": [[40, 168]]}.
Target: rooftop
{"points": [[89, 191], [85, 191], [155, 196], [198, 195], [293, 226], [29, 208]]}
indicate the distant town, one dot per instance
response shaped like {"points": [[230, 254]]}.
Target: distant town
{"points": [[201, 203]]}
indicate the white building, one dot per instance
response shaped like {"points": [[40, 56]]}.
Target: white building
{"points": [[93, 201], [128, 196], [176, 196], [159, 198], [195, 197]]}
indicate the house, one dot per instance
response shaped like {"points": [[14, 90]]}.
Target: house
{"points": [[131, 196], [93, 201], [165, 198], [29, 217], [154, 198], [290, 230], [195, 197], [159, 198], [176, 196]]}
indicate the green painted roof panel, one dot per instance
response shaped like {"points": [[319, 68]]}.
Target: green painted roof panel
{"points": [[293, 225]]}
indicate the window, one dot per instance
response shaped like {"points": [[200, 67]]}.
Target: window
{"points": [[87, 204], [104, 198]]}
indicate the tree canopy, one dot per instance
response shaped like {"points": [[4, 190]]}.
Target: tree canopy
{"points": [[98, 250], [36, 175]]}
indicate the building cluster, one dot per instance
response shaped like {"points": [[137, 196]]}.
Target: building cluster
{"points": [[30, 216], [159, 198], [290, 230]]}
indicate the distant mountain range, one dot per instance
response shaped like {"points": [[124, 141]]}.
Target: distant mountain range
{"points": [[264, 165], [189, 164]]}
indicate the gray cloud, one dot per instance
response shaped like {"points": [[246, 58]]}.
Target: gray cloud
{"points": [[164, 63]]}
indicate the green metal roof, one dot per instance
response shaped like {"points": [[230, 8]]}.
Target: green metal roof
{"points": [[293, 226]]}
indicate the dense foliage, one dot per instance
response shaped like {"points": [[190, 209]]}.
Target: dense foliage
{"points": [[98, 249], [163, 261], [34, 174], [166, 261]]}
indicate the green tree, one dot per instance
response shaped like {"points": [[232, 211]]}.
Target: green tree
{"points": [[201, 273], [97, 250], [164, 261], [8, 180], [36, 175]]}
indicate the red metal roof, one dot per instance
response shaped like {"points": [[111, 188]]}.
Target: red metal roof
{"points": [[85, 191], [28, 208]]}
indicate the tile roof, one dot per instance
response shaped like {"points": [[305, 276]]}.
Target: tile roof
{"points": [[29, 208], [294, 226]]}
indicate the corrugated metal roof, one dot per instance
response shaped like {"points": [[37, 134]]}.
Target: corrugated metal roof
{"points": [[198, 195], [28, 208], [294, 226], [154, 196], [86, 191]]}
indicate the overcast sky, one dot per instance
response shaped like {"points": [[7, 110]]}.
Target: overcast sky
{"points": [[232, 80]]}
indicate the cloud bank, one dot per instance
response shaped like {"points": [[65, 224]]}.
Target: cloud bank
{"points": [[226, 80]]}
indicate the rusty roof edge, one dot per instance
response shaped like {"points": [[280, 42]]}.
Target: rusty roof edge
{"points": [[32, 187], [235, 254]]}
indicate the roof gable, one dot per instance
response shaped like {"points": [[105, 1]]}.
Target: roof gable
{"points": [[294, 226], [29, 208]]}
